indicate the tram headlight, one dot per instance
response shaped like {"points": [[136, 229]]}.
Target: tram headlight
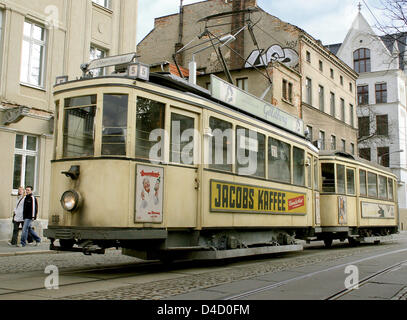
{"points": [[71, 200]]}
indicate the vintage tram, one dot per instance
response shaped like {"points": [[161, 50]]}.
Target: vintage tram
{"points": [[165, 169], [358, 200]]}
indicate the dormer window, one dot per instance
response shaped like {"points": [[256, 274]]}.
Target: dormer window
{"points": [[361, 60]]}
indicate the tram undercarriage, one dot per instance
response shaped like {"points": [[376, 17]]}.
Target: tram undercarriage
{"points": [[166, 245]]}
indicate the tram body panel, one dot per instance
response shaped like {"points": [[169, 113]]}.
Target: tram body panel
{"points": [[180, 198], [370, 209], [107, 197]]}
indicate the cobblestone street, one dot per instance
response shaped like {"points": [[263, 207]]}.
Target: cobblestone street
{"points": [[89, 277]]}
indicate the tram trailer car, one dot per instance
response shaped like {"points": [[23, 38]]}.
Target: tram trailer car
{"points": [[358, 200], [112, 186]]}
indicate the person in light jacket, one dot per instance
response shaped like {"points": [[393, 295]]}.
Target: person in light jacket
{"points": [[30, 211], [17, 216]]}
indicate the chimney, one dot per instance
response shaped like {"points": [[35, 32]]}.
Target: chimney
{"points": [[236, 61]]}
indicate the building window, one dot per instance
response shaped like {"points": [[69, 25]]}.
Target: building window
{"points": [[308, 56], [342, 110], [243, 83], [287, 91], [381, 93], [382, 125], [364, 153], [103, 3], [333, 143], [290, 92], [363, 95], [25, 161], [332, 73], [351, 118], [352, 148], [341, 80], [321, 66], [343, 145], [350, 87], [321, 96], [322, 140], [308, 87], [361, 60], [383, 156], [310, 135], [364, 126], [332, 104], [97, 53], [33, 54]]}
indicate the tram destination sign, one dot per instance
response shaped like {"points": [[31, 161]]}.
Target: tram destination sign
{"points": [[247, 102], [241, 198]]}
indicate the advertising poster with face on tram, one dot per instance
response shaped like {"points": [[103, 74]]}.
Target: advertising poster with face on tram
{"points": [[149, 194]]}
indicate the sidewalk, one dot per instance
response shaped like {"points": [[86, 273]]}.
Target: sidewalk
{"points": [[6, 250]]}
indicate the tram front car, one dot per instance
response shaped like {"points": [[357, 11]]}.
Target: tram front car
{"points": [[120, 180]]}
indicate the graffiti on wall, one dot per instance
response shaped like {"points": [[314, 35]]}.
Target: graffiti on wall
{"points": [[262, 57]]}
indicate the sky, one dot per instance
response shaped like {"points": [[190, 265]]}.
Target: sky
{"points": [[325, 20]]}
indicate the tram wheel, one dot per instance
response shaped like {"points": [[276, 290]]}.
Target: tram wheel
{"points": [[328, 242], [66, 243]]}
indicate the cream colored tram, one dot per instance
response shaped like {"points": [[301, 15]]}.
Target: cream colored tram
{"points": [[151, 167], [358, 200]]}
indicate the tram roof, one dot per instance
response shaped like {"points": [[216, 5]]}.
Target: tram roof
{"points": [[342, 154]]}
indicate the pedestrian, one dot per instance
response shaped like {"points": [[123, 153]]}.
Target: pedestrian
{"points": [[17, 216], [30, 211]]}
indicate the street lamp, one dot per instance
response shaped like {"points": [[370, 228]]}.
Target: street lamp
{"points": [[380, 158]]}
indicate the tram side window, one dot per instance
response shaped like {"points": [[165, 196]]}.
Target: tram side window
{"points": [[362, 183], [390, 184], [382, 187], [279, 162], [299, 166], [150, 116], [114, 130], [328, 177], [309, 172], [250, 153], [316, 175], [182, 139], [79, 124], [350, 182], [340, 178], [220, 145], [372, 184]]}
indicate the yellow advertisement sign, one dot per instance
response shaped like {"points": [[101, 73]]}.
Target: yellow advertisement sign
{"points": [[232, 197]]}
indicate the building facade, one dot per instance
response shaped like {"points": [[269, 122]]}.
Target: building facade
{"points": [[40, 41], [297, 65], [381, 103]]}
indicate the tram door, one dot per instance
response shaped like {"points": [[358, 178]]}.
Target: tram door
{"points": [[182, 174]]}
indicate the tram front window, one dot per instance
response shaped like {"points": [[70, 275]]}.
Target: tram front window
{"points": [[328, 177], [279, 160], [390, 183], [79, 126], [299, 166], [114, 124], [150, 116], [340, 178], [362, 185], [382, 187], [372, 185]]}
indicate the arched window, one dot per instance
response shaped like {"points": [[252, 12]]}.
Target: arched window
{"points": [[361, 60]]}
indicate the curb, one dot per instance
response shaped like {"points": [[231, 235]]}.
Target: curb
{"points": [[10, 254]]}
